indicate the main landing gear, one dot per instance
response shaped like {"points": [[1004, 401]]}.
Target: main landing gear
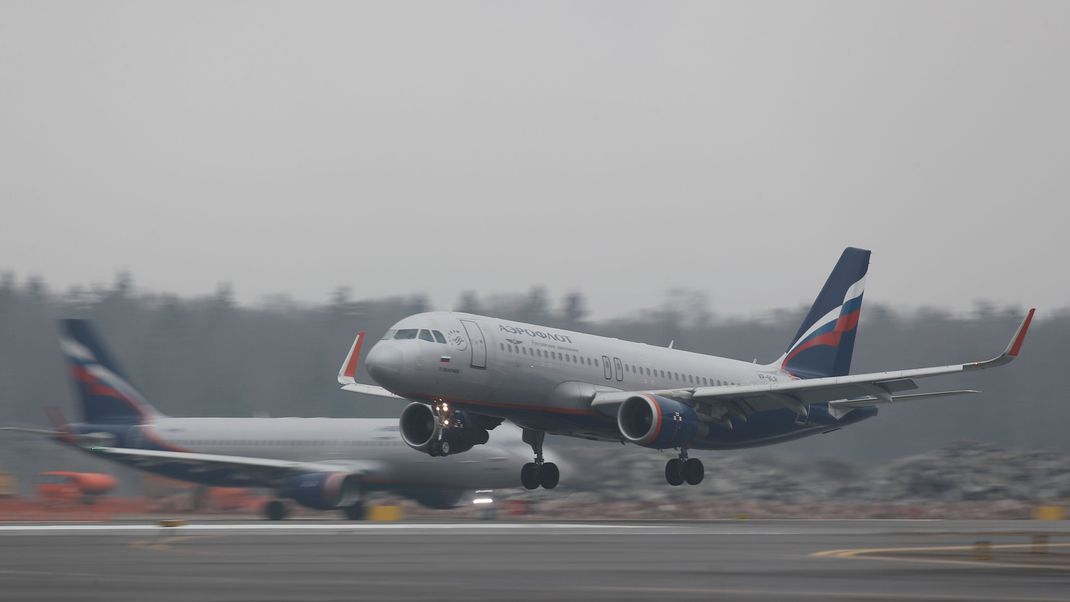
{"points": [[683, 469], [538, 472], [354, 511], [276, 510]]}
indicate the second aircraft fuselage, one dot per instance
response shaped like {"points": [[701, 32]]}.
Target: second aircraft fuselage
{"points": [[544, 378]]}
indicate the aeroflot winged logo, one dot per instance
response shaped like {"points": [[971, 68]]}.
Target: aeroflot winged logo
{"points": [[458, 340], [537, 334]]}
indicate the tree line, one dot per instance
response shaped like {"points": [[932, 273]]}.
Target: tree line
{"points": [[209, 356]]}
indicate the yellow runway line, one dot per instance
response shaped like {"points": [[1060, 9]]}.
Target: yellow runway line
{"points": [[881, 554]]}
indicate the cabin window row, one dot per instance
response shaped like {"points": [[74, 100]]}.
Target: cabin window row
{"points": [[628, 368]]}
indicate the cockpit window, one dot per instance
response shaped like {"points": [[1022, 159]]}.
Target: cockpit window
{"points": [[425, 335], [441, 338], [405, 333], [389, 335]]}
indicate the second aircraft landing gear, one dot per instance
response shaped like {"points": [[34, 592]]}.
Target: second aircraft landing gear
{"points": [[538, 472], [276, 510], [354, 511], [683, 469]]}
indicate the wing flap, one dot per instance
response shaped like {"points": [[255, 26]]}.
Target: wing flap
{"points": [[873, 401]]}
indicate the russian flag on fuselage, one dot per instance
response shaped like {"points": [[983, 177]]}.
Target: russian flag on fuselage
{"points": [[825, 341]]}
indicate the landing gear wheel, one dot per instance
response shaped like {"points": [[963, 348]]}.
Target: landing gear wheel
{"points": [[693, 471], [674, 472], [354, 511], [529, 475], [275, 510], [549, 475], [444, 448]]}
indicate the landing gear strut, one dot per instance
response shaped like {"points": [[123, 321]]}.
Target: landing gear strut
{"points": [[538, 472], [354, 511], [683, 469], [276, 510], [443, 416]]}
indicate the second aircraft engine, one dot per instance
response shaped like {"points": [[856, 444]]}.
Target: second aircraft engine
{"points": [[323, 490], [658, 422], [420, 429]]}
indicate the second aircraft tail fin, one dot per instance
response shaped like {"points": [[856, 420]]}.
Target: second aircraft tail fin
{"points": [[106, 396]]}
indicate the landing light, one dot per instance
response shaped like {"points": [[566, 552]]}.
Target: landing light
{"points": [[483, 500]]}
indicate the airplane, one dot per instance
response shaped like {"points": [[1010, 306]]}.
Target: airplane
{"points": [[465, 374], [319, 463]]}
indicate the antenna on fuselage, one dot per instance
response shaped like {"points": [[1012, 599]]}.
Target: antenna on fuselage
{"points": [[671, 343]]}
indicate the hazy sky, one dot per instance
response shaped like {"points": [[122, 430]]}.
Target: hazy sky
{"points": [[617, 148]]}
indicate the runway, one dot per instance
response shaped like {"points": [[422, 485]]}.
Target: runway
{"points": [[674, 560]]}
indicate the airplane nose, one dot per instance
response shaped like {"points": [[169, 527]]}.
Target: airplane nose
{"points": [[384, 362]]}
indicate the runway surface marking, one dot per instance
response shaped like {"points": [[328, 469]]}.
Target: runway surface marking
{"points": [[167, 543], [274, 527], [884, 554], [795, 594], [608, 528]]}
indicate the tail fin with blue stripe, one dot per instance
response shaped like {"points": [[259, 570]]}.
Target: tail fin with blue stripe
{"points": [[825, 341], [106, 396]]}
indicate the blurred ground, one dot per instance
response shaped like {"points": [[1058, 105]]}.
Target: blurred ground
{"points": [[674, 560], [961, 480]]}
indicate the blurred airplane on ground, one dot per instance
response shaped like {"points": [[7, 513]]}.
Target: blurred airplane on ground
{"points": [[68, 486], [320, 463], [468, 373]]}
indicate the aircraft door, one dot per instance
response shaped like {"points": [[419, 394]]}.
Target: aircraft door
{"points": [[477, 343], [619, 367], [606, 368]]}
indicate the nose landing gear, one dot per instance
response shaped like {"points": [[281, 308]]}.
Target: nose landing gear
{"points": [[537, 473], [679, 470]]}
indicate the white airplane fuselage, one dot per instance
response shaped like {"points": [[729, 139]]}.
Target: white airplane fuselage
{"points": [[372, 444], [544, 378]]}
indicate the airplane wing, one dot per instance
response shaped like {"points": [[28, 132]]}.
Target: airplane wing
{"points": [[346, 374], [31, 431], [721, 404], [254, 472]]}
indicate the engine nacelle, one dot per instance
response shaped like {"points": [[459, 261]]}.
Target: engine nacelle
{"points": [[420, 431], [658, 422], [323, 490]]}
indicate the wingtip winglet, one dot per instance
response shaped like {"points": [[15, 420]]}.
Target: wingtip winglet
{"points": [[1019, 337], [347, 374]]}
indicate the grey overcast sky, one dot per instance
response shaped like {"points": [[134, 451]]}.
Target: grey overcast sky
{"points": [[621, 149]]}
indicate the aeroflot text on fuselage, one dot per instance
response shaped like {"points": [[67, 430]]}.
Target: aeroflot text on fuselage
{"points": [[538, 334]]}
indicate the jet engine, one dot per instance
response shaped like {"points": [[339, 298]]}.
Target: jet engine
{"points": [[420, 429], [323, 490], [658, 422]]}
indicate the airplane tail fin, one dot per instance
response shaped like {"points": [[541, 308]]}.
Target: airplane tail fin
{"points": [[106, 396], [826, 339]]}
